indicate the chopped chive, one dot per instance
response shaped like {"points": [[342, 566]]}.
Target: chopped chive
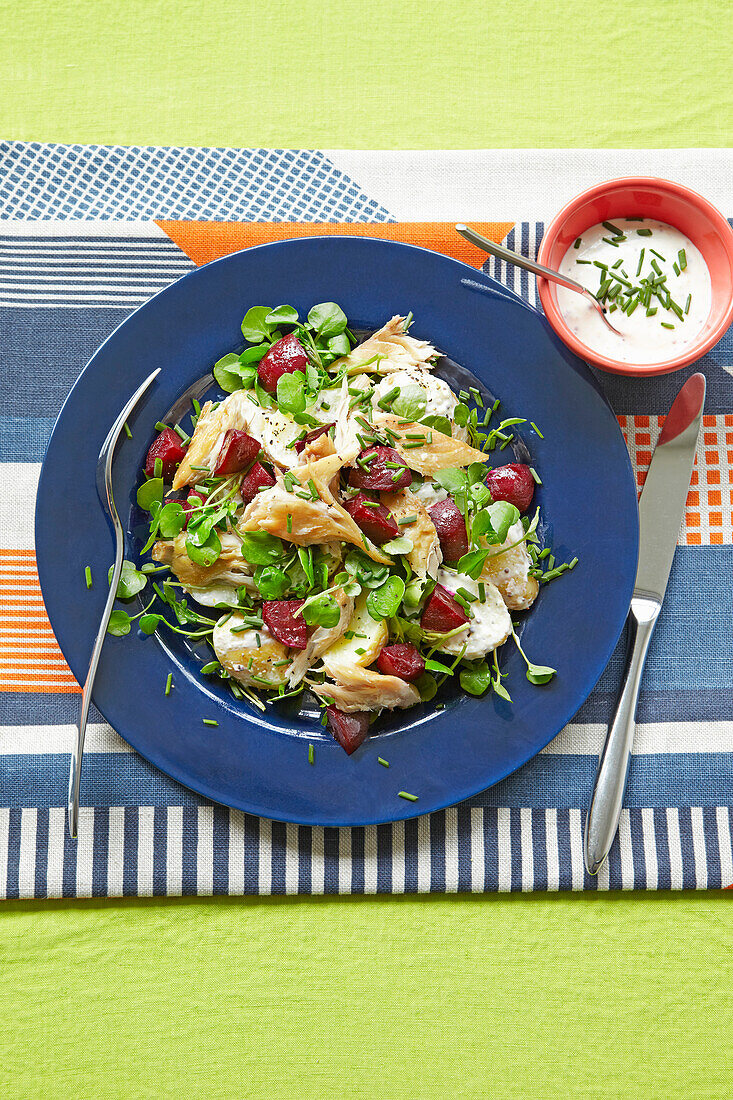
{"points": [[583, 261], [408, 796], [158, 467], [665, 324], [196, 406], [535, 475], [289, 524], [533, 425], [632, 307], [656, 267], [612, 229], [659, 255], [612, 308], [388, 398], [675, 268], [687, 303], [410, 446], [481, 592], [382, 761], [128, 433], [617, 264], [506, 442], [160, 426], [210, 721], [651, 312], [311, 755], [641, 261], [644, 232], [578, 242], [88, 576], [169, 683], [179, 431], [682, 258], [406, 520], [610, 240], [415, 435]]}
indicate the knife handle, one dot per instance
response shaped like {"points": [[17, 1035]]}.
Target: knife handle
{"points": [[613, 767]]}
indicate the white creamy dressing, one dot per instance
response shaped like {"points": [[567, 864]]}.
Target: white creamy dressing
{"points": [[645, 338]]}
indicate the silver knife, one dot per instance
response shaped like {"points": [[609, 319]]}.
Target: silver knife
{"points": [[661, 508]]}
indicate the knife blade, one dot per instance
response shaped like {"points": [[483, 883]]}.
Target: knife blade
{"points": [[661, 509]]}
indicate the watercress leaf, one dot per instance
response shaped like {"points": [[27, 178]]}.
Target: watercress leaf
{"points": [[410, 403], [352, 588], [291, 392], [460, 414], [540, 674], [438, 666], [299, 583], [305, 554], [171, 519], [312, 378], [427, 687], [481, 524], [476, 473], [253, 355], [207, 554], [477, 679], [451, 478], [262, 548], [414, 594], [248, 376], [255, 325], [480, 494], [150, 493], [400, 545], [119, 624], [370, 574], [339, 345], [472, 563], [266, 400], [500, 690], [322, 611], [229, 379], [282, 315], [131, 580], [383, 602], [272, 582], [440, 423], [327, 319], [502, 515], [200, 527], [149, 623]]}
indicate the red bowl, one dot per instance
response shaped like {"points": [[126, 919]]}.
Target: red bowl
{"points": [[649, 197]]}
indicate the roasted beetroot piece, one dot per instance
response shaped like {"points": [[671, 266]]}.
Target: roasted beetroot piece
{"points": [[442, 613], [451, 528], [348, 729], [237, 451], [513, 483], [403, 660], [379, 476], [284, 357], [170, 449], [302, 443], [280, 619], [373, 518], [255, 479]]}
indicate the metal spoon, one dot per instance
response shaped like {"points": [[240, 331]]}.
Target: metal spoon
{"points": [[531, 265], [104, 488]]}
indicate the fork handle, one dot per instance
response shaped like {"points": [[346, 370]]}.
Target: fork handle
{"points": [[602, 821], [518, 259]]}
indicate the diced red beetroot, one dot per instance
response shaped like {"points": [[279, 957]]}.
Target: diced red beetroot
{"points": [[379, 476], [451, 528], [442, 613], [237, 451], [280, 619], [403, 660], [284, 357], [377, 523], [315, 434], [255, 479], [513, 483], [170, 449], [348, 729]]}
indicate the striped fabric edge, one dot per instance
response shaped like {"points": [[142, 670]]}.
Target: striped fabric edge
{"points": [[145, 851]]}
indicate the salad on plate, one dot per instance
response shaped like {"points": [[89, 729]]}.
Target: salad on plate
{"points": [[338, 523]]}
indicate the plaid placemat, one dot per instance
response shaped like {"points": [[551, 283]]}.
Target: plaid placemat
{"points": [[89, 233]]}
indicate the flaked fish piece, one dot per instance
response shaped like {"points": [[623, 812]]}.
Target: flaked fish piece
{"points": [[256, 666], [355, 688], [441, 452], [312, 521], [396, 351], [230, 567], [426, 555], [509, 571], [347, 445], [321, 639], [273, 429]]}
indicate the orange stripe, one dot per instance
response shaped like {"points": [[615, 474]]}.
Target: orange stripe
{"points": [[18, 554], [31, 677], [205, 241], [42, 689], [21, 603]]}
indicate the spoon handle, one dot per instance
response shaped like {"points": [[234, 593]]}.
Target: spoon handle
{"points": [[518, 260]]}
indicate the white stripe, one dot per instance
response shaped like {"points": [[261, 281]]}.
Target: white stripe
{"points": [[265, 862], [675, 848], [4, 838], [27, 295], [370, 859], [291, 858], [504, 877], [626, 851], [398, 857], [92, 302], [174, 850], [71, 282], [650, 737], [525, 832], [724, 846], [698, 848], [27, 860], [478, 850], [553, 859], [650, 848], [344, 867], [603, 876], [33, 740], [115, 851], [85, 852], [145, 834], [236, 852], [576, 849], [318, 872], [94, 227], [39, 250], [55, 859], [125, 268], [205, 851], [423, 855], [451, 850], [20, 484]]}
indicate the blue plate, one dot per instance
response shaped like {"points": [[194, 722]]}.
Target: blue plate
{"points": [[260, 763]]}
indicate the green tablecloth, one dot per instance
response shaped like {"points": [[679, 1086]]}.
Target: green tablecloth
{"points": [[392, 997]]}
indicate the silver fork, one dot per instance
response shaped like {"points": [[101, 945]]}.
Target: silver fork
{"points": [[104, 488], [518, 260]]}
